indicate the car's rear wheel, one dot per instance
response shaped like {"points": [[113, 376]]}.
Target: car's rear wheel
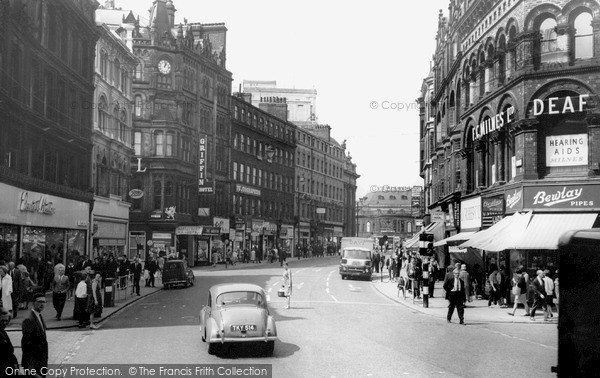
{"points": [[213, 348], [269, 348]]}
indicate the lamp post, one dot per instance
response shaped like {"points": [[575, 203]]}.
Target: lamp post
{"points": [[359, 206], [297, 231]]}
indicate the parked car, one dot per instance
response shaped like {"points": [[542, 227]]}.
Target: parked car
{"points": [[237, 313], [176, 273]]}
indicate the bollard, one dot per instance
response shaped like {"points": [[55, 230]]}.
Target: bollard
{"points": [[425, 285], [109, 292]]}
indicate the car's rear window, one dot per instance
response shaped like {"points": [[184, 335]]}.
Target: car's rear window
{"points": [[240, 297]]}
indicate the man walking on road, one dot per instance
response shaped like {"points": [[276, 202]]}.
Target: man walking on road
{"points": [[539, 289], [59, 286], [455, 294], [137, 274], [34, 343]]}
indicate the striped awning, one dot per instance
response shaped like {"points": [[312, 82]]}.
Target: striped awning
{"points": [[545, 229], [501, 235]]}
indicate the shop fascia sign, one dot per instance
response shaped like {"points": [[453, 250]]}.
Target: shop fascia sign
{"points": [[40, 205], [561, 197], [247, 190], [223, 223], [491, 206], [494, 123], [514, 199], [559, 105]]}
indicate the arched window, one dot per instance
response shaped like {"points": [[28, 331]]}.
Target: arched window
{"points": [[104, 64], [123, 127], [103, 114], [483, 76], [502, 60], [117, 74], [138, 72], [548, 47], [138, 105], [584, 36]]}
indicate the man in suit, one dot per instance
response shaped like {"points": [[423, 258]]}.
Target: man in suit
{"points": [[137, 274], [455, 294], [17, 285], [539, 291], [34, 343], [60, 286], [7, 351]]}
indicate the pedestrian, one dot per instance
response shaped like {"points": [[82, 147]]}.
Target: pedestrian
{"points": [[17, 283], [70, 273], [503, 295], [59, 286], [494, 282], [465, 277], [539, 291], [287, 283], [94, 303], [549, 286], [431, 279], [8, 360], [137, 275], [376, 260], [556, 291], [152, 267], [28, 290], [253, 255], [34, 344], [519, 289], [6, 288], [392, 269], [81, 298], [455, 294]]}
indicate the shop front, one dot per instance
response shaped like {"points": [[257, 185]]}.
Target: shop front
{"points": [[194, 233], [42, 230], [110, 221]]}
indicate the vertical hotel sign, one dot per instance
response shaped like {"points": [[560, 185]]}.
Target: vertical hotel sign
{"points": [[203, 186]]}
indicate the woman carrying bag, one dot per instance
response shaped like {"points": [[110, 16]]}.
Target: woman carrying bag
{"points": [[286, 288]]}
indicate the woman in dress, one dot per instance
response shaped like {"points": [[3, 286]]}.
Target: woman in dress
{"points": [[287, 283], [7, 289], [94, 307]]}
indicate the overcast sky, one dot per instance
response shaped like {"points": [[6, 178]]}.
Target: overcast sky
{"points": [[358, 55]]}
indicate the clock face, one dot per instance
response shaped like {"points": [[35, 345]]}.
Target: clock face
{"points": [[164, 67]]}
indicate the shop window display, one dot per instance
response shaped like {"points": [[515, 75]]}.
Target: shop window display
{"points": [[9, 237]]}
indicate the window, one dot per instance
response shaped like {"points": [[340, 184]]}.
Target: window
{"points": [[242, 172], [170, 150], [164, 81], [117, 74], [549, 50], [584, 36], [235, 171], [159, 143], [103, 118], [138, 106], [123, 127], [137, 143], [104, 64], [157, 195]]}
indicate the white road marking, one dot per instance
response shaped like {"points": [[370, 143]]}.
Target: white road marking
{"points": [[333, 298], [318, 270], [299, 285], [335, 301], [353, 288]]}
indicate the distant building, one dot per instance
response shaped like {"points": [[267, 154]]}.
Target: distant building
{"points": [[262, 177], [301, 103], [395, 212]]}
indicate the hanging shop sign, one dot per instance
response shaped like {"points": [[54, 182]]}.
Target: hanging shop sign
{"points": [[188, 230], [136, 193], [492, 206], [470, 213], [207, 230], [513, 200], [494, 123], [222, 223], [438, 216], [560, 105], [565, 197], [202, 148], [566, 150]]}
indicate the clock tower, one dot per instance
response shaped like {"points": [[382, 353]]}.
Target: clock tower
{"points": [[181, 91]]}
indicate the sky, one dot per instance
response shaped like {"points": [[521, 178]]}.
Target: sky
{"points": [[366, 59]]}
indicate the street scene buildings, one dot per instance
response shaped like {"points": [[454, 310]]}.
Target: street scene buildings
{"points": [[509, 126], [152, 195]]}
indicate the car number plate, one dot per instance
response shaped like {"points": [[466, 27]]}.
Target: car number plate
{"points": [[245, 327]]}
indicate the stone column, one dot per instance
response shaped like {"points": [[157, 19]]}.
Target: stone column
{"points": [[481, 163], [593, 121], [596, 28]]}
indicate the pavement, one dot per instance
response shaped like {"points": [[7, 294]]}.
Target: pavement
{"points": [[123, 298], [476, 312]]}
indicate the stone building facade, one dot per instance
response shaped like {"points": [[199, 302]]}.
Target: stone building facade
{"points": [[516, 123], [46, 79]]}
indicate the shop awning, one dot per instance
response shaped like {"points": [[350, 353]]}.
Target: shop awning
{"points": [[545, 229], [434, 228], [502, 235], [460, 237]]}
